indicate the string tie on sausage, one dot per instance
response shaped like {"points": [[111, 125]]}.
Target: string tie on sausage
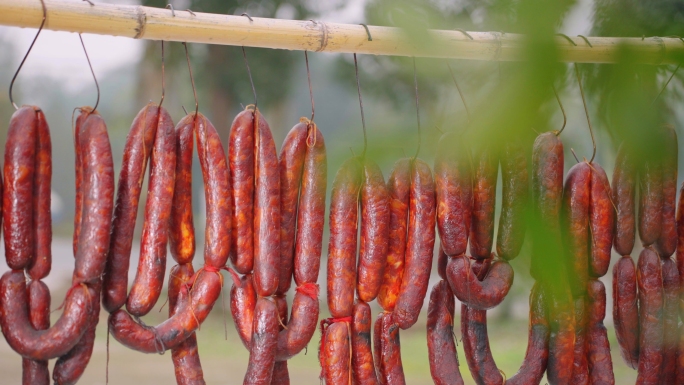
{"points": [[309, 289], [71, 289]]}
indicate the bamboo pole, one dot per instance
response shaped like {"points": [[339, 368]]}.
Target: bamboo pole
{"points": [[149, 23]]}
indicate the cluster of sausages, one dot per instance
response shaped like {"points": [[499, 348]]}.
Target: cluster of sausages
{"points": [[27, 226]]}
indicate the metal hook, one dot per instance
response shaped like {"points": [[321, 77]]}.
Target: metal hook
{"points": [[565, 118], [363, 119], [192, 79], [249, 17], [42, 24], [666, 83], [249, 72], [415, 85], [586, 111], [97, 102], [567, 38], [586, 40], [308, 77], [370, 38], [190, 12], [162, 75], [464, 32], [173, 12], [89, 2], [459, 91]]}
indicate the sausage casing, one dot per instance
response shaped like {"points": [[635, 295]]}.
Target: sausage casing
{"points": [[335, 354], [484, 200], [650, 282], [182, 228], [671, 320], [667, 242], [650, 202], [363, 367], [36, 371], [626, 310], [514, 201], [624, 189], [597, 345], [40, 264], [440, 336], [601, 222], [264, 343], [477, 294], [576, 197]]}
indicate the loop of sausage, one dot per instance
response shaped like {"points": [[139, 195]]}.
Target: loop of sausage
{"points": [[40, 264], [670, 320], [601, 222], [484, 200], [480, 295], [182, 228], [311, 211], [341, 271], [264, 343], [626, 310], [206, 288], [420, 246], [598, 347], [266, 209], [440, 336], [19, 175], [35, 371], [454, 193], [389, 357], [42, 344], [291, 167], [334, 354], [185, 356], [667, 242], [241, 160], [580, 365], [216, 190], [576, 197], [514, 201], [149, 277], [363, 367], [375, 216], [243, 299], [398, 186], [650, 202], [650, 282], [137, 151], [476, 346], [302, 324], [624, 179]]}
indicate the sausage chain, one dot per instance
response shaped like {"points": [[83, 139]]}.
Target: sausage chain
{"points": [[24, 314]]}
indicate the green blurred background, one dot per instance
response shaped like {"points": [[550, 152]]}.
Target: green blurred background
{"points": [[506, 101]]}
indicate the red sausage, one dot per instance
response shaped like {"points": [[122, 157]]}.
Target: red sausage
{"points": [[454, 194], [597, 345], [216, 192], [266, 210], [562, 336], [626, 311], [42, 216], [680, 247], [580, 366], [377, 347], [149, 278], [667, 242], [335, 354], [670, 321], [363, 367], [311, 213], [78, 202], [42, 344], [343, 233], [576, 197], [375, 217], [624, 179], [291, 166], [442, 261], [98, 199], [484, 199], [398, 186], [392, 370], [137, 151], [440, 336], [420, 246], [601, 222], [182, 229], [34, 371], [650, 281], [242, 302], [264, 343], [19, 175], [281, 375], [650, 202], [476, 346], [241, 159], [302, 323], [514, 201], [479, 295]]}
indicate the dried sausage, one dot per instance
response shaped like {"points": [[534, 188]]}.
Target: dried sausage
{"points": [[149, 278], [343, 235], [302, 323], [667, 242], [597, 345], [454, 194], [562, 336], [377, 347], [311, 212], [650, 281], [479, 295], [398, 186], [420, 246], [34, 371], [392, 370], [442, 260], [601, 222], [335, 353], [670, 320], [514, 200], [476, 346], [484, 199], [680, 357], [626, 311], [363, 367], [137, 151], [241, 160], [42, 216], [680, 247], [375, 217], [182, 229], [623, 196], [264, 343], [650, 202], [242, 302], [440, 336], [576, 197], [580, 366]]}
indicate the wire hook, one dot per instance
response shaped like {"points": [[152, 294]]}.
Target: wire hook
{"points": [[192, 79], [42, 24], [162, 75], [249, 72], [97, 102], [308, 77], [565, 118], [363, 119], [567, 38], [173, 12], [666, 83], [415, 85], [459, 91], [586, 111], [370, 38]]}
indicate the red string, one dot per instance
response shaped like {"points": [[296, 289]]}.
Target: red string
{"points": [[309, 289], [71, 289]]}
